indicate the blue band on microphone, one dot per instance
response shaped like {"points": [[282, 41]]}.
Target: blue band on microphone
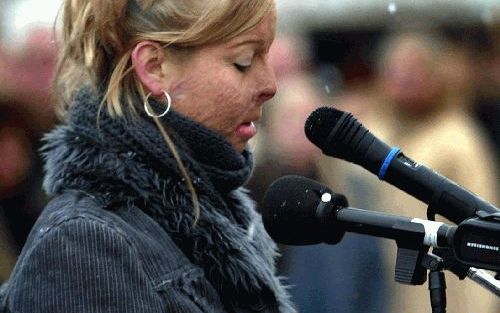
{"points": [[390, 156]]}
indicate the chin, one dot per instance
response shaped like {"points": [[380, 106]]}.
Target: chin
{"points": [[239, 147]]}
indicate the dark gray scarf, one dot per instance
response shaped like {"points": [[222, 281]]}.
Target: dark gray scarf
{"points": [[127, 162]]}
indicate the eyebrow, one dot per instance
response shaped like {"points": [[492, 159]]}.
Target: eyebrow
{"points": [[257, 41]]}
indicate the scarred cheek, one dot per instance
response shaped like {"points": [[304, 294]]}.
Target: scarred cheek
{"points": [[177, 89], [183, 93]]}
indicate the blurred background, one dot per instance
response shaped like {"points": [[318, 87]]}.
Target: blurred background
{"points": [[422, 75]]}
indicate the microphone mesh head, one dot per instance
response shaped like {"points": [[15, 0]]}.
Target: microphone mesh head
{"points": [[291, 196], [320, 123], [289, 210]]}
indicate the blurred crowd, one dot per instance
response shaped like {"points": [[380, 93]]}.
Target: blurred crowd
{"points": [[434, 95], [429, 92]]}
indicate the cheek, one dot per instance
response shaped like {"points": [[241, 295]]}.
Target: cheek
{"points": [[225, 96], [229, 98], [218, 102], [225, 108]]}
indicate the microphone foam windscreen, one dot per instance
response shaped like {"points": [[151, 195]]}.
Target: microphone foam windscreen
{"points": [[289, 210]]}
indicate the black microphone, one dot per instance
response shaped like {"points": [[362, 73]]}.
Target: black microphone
{"points": [[300, 211], [340, 135]]}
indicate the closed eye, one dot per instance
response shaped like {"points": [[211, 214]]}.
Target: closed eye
{"points": [[242, 68]]}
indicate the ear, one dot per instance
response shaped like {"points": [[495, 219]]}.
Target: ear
{"points": [[147, 59]]}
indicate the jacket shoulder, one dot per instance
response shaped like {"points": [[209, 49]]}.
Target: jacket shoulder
{"points": [[78, 247], [154, 247], [71, 255]]}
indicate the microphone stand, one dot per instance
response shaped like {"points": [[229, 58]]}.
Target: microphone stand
{"points": [[437, 282], [414, 261]]}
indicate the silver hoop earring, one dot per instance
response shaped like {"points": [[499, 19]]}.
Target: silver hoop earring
{"points": [[169, 103]]}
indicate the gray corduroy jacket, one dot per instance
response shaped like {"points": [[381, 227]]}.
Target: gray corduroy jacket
{"points": [[81, 258]]}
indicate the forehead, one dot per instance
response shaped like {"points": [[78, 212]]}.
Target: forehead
{"points": [[263, 33], [261, 37]]}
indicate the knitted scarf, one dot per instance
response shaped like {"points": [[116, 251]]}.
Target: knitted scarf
{"points": [[121, 160]]}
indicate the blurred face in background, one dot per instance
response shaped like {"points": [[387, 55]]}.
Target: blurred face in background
{"points": [[285, 121], [410, 78], [26, 74]]}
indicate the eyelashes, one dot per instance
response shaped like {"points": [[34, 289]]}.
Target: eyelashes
{"points": [[242, 67]]}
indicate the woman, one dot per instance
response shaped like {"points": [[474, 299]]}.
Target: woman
{"points": [[148, 215]]}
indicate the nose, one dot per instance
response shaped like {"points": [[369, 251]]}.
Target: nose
{"points": [[268, 84]]}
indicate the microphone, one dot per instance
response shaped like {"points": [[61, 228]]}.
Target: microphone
{"points": [[340, 135], [300, 211]]}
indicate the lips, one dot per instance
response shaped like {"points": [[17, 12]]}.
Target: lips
{"points": [[246, 130]]}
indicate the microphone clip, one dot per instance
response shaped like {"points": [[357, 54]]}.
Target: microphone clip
{"points": [[411, 251]]}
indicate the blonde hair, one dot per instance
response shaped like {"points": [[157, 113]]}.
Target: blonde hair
{"points": [[98, 38]]}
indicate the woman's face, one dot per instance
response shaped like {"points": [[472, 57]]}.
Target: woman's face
{"points": [[223, 86]]}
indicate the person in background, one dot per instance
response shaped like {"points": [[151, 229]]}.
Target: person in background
{"points": [[487, 102], [26, 71], [158, 99], [413, 106], [16, 188]]}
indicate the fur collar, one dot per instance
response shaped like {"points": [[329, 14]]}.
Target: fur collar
{"points": [[229, 241]]}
